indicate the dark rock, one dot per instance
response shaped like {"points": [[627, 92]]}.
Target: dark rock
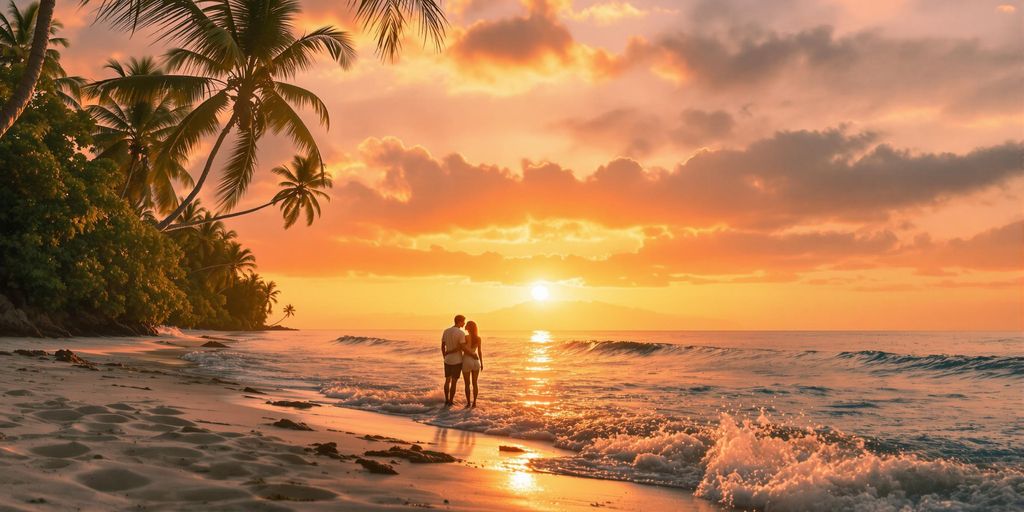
{"points": [[329, 450], [375, 438], [291, 403], [253, 391], [414, 454], [30, 353], [289, 424], [376, 467], [5, 353], [213, 344], [511, 449], [69, 357], [215, 380]]}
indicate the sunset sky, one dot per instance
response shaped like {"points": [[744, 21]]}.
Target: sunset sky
{"points": [[773, 165]]}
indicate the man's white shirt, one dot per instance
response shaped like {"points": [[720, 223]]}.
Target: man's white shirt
{"points": [[452, 339]]}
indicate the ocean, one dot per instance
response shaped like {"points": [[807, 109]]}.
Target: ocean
{"points": [[767, 420]]}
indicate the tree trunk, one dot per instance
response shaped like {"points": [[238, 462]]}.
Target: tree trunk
{"points": [[219, 217], [22, 94], [202, 178]]}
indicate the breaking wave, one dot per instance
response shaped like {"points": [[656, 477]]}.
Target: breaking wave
{"points": [[869, 360], [982, 366], [752, 464]]}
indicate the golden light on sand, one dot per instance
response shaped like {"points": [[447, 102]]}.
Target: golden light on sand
{"points": [[540, 292], [520, 477]]}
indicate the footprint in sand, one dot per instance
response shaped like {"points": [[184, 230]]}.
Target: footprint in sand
{"points": [[170, 420], [59, 415], [113, 479], [185, 436], [110, 418], [121, 407], [165, 452], [19, 392], [61, 451], [92, 409], [167, 411], [292, 492]]}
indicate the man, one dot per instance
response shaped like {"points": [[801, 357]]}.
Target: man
{"points": [[451, 348]]}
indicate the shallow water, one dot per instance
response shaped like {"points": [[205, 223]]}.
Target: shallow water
{"points": [[777, 420]]}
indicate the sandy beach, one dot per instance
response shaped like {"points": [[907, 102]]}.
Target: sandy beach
{"points": [[131, 430]]}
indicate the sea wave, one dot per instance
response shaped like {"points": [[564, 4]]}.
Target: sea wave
{"points": [[385, 343], [752, 464], [977, 366], [940, 364]]}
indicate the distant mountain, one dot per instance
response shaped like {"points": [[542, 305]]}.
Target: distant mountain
{"points": [[588, 315]]}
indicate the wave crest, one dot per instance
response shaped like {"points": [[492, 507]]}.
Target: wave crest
{"points": [[984, 366]]}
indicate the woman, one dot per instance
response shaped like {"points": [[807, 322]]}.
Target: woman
{"points": [[472, 361]]}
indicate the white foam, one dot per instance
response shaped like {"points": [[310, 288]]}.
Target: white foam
{"points": [[748, 468]]}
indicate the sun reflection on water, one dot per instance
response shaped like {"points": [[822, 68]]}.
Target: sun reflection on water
{"points": [[521, 478], [537, 391]]}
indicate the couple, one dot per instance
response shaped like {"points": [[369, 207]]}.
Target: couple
{"points": [[462, 354]]}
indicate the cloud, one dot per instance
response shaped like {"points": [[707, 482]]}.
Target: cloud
{"points": [[698, 127], [610, 12], [536, 40], [997, 249], [640, 133], [710, 257], [863, 65], [790, 179]]}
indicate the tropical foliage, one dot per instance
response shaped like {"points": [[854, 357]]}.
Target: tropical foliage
{"points": [[81, 246], [17, 27], [130, 131], [220, 281], [73, 253]]}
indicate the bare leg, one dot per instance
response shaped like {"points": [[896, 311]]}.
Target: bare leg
{"points": [[465, 376], [476, 388], [447, 390]]}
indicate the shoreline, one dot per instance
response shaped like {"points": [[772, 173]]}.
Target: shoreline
{"points": [[74, 437]]}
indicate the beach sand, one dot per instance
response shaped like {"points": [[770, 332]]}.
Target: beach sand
{"points": [[134, 431]]}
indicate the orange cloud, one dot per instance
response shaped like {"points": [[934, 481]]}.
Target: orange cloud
{"points": [[790, 179], [721, 256]]}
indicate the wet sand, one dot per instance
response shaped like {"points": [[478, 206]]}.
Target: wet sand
{"points": [[132, 430]]}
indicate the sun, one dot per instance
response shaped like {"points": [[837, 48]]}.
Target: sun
{"points": [[540, 292]]}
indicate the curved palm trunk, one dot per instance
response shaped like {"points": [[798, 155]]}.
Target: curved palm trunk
{"points": [[279, 321], [26, 87], [202, 178], [220, 217]]}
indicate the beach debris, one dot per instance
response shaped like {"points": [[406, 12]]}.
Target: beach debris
{"points": [[295, 404], [69, 357], [510, 449], [213, 344], [329, 450], [378, 438], [31, 353], [253, 391], [5, 353], [415, 454], [376, 467], [289, 424]]}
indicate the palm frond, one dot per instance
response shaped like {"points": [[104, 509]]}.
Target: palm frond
{"points": [[388, 20], [239, 169]]}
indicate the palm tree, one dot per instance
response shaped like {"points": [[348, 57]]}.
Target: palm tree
{"points": [[129, 132], [289, 311], [271, 292], [16, 31], [172, 19], [301, 192], [236, 66]]}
